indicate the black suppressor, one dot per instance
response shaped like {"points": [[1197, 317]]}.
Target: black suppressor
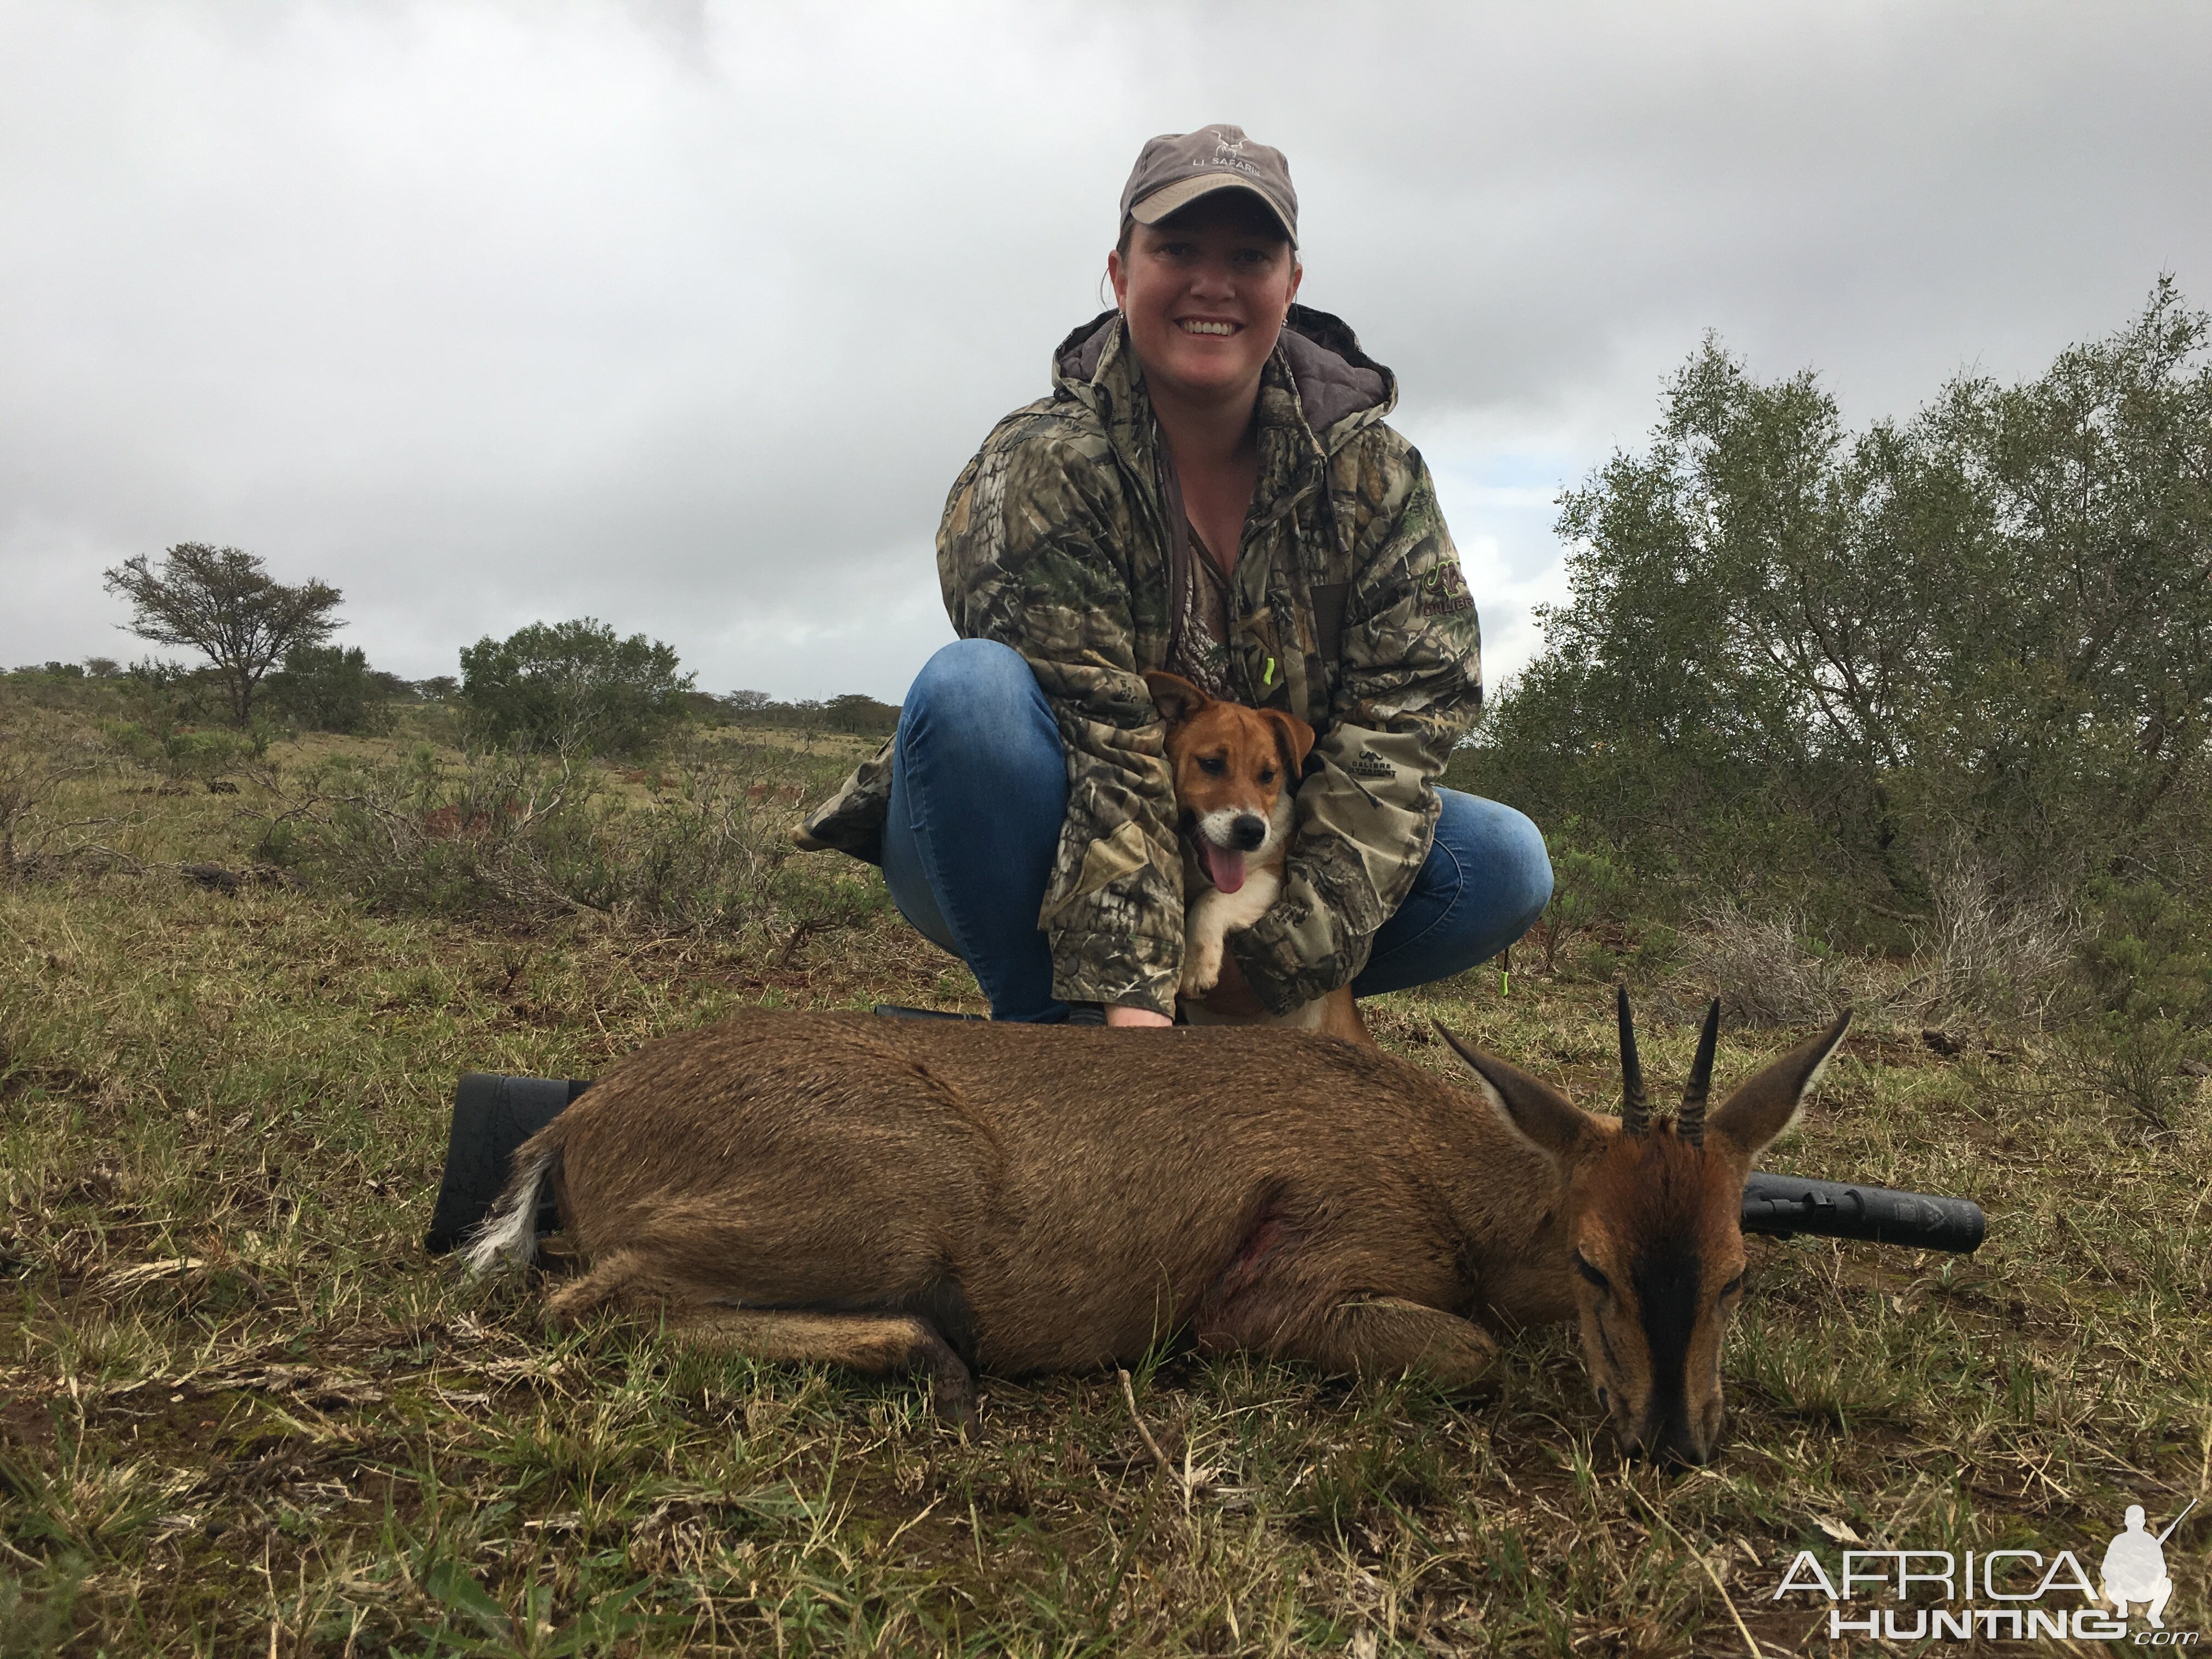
{"points": [[1784, 1205], [494, 1114]]}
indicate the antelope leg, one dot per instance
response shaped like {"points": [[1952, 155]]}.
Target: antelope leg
{"points": [[881, 1345], [1382, 1336]]}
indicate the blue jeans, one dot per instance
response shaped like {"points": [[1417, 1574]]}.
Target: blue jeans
{"points": [[979, 793]]}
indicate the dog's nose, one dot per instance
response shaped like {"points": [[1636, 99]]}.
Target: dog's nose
{"points": [[1249, 830]]}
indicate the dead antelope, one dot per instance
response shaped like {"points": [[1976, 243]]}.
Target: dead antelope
{"points": [[950, 1197]]}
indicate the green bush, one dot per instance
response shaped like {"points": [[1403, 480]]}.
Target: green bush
{"points": [[329, 688], [520, 837], [573, 687], [2149, 976], [1802, 664], [162, 697], [1588, 887], [185, 754]]}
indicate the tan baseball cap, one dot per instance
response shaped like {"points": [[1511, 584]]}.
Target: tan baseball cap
{"points": [[1176, 168]]}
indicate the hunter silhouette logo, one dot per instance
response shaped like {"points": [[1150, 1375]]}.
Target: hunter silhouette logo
{"points": [[2134, 1567], [2000, 1594]]}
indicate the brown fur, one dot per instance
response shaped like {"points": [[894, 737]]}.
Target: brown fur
{"points": [[1659, 1222], [1229, 759], [944, 1197]]}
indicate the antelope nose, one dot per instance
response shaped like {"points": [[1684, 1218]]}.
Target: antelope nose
{"points": [[1676, 1447], [1249, 830]]}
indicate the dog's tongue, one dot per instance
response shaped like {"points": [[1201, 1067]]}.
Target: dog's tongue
{"points": [[1224, 869]]}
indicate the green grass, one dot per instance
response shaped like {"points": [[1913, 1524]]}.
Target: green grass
{"points": [[241, 1412]]}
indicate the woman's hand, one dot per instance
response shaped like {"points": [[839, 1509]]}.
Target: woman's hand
{"points": [[1117, 1015], [1230, 997]]}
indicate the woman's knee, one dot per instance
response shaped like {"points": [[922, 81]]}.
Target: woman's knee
{"points": [[977, 694], [971, 677], [976, 724], [1504, 848], [1526, 864]]}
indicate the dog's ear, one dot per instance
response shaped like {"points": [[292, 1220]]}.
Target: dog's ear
{"points": [[1293, 735], [1175, 697]]}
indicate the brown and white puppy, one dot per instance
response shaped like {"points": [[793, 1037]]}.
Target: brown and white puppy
{"points": [[1235, 770]]}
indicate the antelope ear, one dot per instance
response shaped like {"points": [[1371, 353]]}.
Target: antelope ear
{"points": [[1764, 1109], [1295, 736], [1175, 697], [1536, 1112]]}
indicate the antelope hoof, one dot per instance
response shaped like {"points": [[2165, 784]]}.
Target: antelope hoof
{"points": [[953, 1396]]}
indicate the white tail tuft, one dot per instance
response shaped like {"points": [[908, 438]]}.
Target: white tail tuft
{"points": [[511, 1228]]}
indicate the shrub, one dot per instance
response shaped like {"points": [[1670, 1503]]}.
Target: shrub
{"points": [[163, 696], [40, 752], [39, 685], [573, 687], [1766, 967], [2149, 958], [1587, 888], [329, 688], [1848, 649], [2137, 1065], [1989, 954], [185, 754], [2149, 975], [520, 836]]}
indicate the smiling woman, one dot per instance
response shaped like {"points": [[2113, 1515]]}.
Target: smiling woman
{"points": [[1209, 490], [1205, 293]]}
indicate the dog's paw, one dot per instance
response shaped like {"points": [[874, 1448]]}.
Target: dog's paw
{"points": [[1201, 972]]}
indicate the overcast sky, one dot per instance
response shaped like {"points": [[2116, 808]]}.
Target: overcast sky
{"points": [[685, 315]]}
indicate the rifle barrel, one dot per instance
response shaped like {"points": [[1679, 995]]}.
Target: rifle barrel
{"points": [[1786, 1205]]}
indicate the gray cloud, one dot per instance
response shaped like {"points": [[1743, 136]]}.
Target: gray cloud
{"points": [[686, 316]]}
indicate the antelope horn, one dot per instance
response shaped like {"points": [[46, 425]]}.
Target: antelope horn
{"points": [[1690, 1124], [1635, 1108]]}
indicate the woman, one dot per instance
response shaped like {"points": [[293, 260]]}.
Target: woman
{"points": [[1210, 489]]}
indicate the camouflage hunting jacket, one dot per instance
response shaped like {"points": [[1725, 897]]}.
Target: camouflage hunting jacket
{"points": [[1346, 608]]}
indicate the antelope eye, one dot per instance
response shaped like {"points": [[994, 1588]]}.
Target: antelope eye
{"points": [[1731, 1288], [1591, 1274], [1212, 765]]}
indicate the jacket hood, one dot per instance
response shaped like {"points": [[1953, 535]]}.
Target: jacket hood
{"points": [[1341, 390]]}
